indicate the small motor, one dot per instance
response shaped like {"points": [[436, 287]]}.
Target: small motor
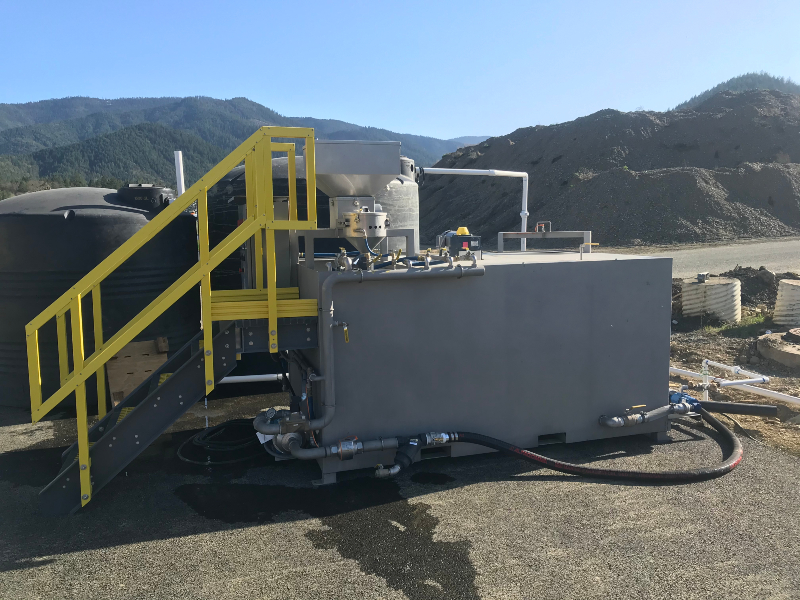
{"points": [[459, 242]]}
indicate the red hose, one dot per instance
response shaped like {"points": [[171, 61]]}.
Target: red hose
{"points": [[689, 475]]}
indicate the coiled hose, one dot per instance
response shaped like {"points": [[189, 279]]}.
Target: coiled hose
{"points": [[225, 441], [689, 475]]}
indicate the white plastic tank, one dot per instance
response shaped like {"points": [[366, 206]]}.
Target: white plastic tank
{"points": [[717, 296], [787, 306]]}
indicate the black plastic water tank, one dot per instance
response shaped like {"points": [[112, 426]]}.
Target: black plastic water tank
{"points": [[49, 240]]}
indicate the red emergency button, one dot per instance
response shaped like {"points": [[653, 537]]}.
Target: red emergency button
{"points": [[465, 245]]}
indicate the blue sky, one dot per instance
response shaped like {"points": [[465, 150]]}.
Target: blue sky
{"points": [[443, 68]]}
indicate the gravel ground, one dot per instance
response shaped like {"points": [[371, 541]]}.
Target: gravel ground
{"points": [[475, 527]]}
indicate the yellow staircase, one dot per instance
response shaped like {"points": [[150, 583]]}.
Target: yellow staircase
{"points": [[266, 301]]}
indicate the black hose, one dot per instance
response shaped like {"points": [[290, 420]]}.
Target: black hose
{"points": [[689, 475], [739, 408], [218, 440]]}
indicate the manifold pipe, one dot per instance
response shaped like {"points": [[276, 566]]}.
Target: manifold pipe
{"points": [[748, 388], [326, 451], [326, 327], [491, 173], [252, 378], [632, 419]]}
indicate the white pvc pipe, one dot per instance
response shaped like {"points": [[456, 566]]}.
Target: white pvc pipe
{"points": [[252, 378], [744, 381], [179, 173], [747, 388], [492, 173], [737, 371]]}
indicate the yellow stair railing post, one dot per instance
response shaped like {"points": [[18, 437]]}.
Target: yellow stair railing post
{"points": [[311, 181], [34, 369], [266, 213], [82, 417], [63, 357], [205, 289], [97, 317], [292, 184]]}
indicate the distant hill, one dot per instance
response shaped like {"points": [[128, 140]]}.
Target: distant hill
{"points": [[27, 128], [65, 142], [48, 111], [728, 169], [742, 83], [142, 152]]}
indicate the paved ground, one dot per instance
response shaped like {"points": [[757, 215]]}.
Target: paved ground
{"points": [[776, 255], [475, 527]]}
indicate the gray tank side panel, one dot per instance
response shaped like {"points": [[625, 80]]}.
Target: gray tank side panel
{"points": [[525, 351]]}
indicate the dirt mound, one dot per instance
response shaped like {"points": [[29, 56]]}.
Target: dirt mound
{"points": [[759, 286], [718, 172]]}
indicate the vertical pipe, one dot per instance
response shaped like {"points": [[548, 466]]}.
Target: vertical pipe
{"points": [[100, 375], [205, 290], [523, 243], [76, 315], [181, 185]]}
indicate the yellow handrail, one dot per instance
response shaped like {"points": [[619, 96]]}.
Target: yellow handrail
{"points": [[256, 152]]}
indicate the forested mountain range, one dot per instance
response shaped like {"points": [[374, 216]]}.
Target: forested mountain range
{"points": [[54, 143]]}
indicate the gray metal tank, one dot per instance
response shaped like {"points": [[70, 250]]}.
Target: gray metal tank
{"points": [[400, 199], [49, 240]]}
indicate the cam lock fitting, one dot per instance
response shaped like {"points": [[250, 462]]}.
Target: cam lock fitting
{"points": [[347, 449]]}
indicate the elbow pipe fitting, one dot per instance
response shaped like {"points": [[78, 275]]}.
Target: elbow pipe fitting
{"points": [[382, 472], [262, 423], [409, 448], [611, 421]]}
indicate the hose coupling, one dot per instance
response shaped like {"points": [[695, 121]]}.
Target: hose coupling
{"points": [[347, 449], [439, 438], [682, 408], [632, 419]]}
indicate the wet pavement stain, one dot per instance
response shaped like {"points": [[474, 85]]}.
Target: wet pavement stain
{"points": [[34, 468], [366, 520], [430, 478]]}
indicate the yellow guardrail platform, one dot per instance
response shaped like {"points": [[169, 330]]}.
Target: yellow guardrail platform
{"points": [[266, 301]]}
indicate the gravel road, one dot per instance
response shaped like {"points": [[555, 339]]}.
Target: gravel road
{"points": [[776, 255]]}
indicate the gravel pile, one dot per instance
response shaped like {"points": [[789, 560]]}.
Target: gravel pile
{"points": [[722, 171]]}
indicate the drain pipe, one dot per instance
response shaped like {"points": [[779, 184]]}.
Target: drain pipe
{"points": [[251, 378], [421, 171], [743, 386], [327, 325]]}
